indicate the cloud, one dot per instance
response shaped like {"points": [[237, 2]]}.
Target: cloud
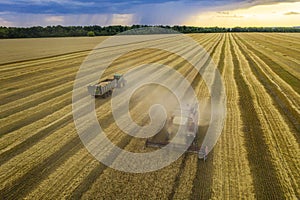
{"points": [[231, 16], [6, 23], [54, 19], [292, 13], [223, 12]]}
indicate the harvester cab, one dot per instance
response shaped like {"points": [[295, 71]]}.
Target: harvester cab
{"points": [[186, 118]]}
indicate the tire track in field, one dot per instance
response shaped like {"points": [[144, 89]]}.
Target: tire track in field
{"points": [[287, 40], [280, 46], [287, 62], [281, 102], [282, 140], [285, 75], [266, 181]]}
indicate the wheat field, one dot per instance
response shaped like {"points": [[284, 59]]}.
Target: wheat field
{"points": [[257, 155]]}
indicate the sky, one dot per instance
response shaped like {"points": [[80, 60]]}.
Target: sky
{"points": [[222, 13]]}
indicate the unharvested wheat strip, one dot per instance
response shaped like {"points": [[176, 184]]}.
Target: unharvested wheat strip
{"points": [[114, 184], [284, 59], [290, 94], [277, 134], [185, 187], [230, 157], [203, 180]]}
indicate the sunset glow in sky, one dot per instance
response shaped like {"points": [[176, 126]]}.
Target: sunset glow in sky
{"points": [[281, 14], [223, 13]]}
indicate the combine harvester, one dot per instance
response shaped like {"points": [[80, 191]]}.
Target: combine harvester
{"points": [[187, 118], [105, 87]]}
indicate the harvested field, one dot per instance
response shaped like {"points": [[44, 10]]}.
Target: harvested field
{"points": [[256, 157]]}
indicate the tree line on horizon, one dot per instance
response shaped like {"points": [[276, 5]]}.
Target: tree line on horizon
{"points": [[76, 31]]}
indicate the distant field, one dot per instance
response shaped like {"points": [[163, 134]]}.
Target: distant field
{"points": [[25, 49], [256, 157]]}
